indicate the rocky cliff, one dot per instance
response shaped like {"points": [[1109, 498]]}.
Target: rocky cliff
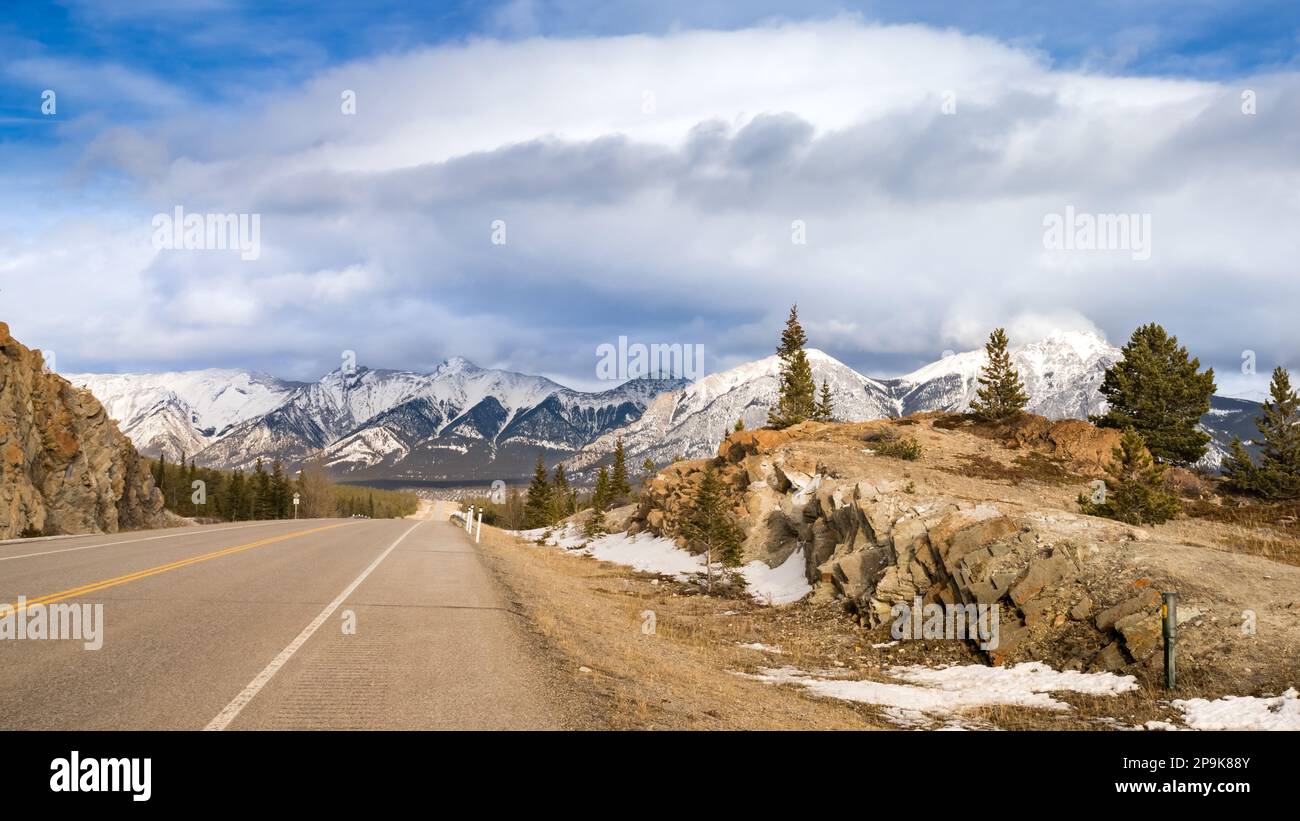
{"points": [[64, 465], [982, 516]]}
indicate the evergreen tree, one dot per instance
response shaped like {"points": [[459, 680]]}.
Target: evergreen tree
{"points": [[540, 505], [619, 486], [739, 426], [160, 478], [1137, 490], [600, 500], [371, 505], [562, 495], [709, 525], [281, 497], [648, 471], [1278, 474], [237, 498], [261, 492], [796, 402], [825, 408], [1157, 390], [1001, 394]]}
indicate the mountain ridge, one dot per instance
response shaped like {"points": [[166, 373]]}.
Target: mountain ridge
{"points": [[461, 421]]}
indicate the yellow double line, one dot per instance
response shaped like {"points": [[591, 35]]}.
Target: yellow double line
{"points": [[163, 568]]}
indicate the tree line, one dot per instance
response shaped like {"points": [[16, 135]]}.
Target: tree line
{"points": [[195, 491]]}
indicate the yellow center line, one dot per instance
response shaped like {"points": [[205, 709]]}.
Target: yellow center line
{"points": [[162, 568]]}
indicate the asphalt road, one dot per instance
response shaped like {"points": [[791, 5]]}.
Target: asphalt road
{"points": [[246, 626]]}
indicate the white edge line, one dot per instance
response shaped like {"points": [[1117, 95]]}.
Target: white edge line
{"points": [[183, 532], [255, 686]]}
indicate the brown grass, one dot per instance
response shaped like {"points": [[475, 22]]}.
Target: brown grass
{"points": [[1267, 529], [684, 676], [1030, 466]]}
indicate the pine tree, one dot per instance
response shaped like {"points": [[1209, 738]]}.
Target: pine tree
{"points": [[825, 408], [1157, 390], [709, 525], [1137, 490], [562, 496], [540, 505], [796, 402], [739, 426], [261, 492], [1278, 474], [619, 486], [1001, 395], [600, 500]]}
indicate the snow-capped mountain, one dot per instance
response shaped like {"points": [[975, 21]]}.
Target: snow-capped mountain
{"points": [[461, 420], [693, 420], [183, 412], [465, 422], [1061, 374]]}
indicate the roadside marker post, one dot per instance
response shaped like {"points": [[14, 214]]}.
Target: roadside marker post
{"points": [[1169, 615], [479, 531], [295, 505]]}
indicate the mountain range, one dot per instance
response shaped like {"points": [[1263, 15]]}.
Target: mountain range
{"points": [[466, 423]]}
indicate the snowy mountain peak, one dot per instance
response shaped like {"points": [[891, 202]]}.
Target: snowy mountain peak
{"points": [[455, 365]]}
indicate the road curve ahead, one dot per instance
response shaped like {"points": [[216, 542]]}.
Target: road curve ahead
{"points": [[312, 624]]}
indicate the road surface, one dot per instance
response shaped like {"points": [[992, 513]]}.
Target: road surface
{"points": [[245, 626]]}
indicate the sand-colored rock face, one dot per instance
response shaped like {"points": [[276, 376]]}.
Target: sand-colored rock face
{"points": [[64, 465], [985, 517]]}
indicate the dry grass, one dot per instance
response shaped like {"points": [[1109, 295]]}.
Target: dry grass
{"points": [[1030, 466], [1270, 530], [684, 675]]}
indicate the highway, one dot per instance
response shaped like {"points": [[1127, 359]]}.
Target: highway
{"points": [[249, 626]]}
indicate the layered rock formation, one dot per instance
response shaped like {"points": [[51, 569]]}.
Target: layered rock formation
{"points": [[64, 465], [878, 532]]}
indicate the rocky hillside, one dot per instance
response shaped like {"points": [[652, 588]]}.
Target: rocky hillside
{"points": [[988, 516], [64, 465]]}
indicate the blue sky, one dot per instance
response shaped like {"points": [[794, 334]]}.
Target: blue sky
{"points": [[664, 226]]}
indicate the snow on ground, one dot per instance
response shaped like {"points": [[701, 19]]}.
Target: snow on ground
{"points": [[926, 694], [758, 645], [654, 554], [778, 585], [1242, 712]]}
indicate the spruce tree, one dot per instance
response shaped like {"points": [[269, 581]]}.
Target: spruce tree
{"points": [[1137, 489], [600, 500], [539, 507], [619, 486], [825, 409], [709, 525], [739, 426], [562, 496], [1157, 390], [1278, 474], [1001, 394], [796, 401]]}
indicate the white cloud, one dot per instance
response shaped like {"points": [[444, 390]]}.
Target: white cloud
{"points": [[923, 229]]}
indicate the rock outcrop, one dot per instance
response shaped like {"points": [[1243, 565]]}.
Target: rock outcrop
{"points": [[64, 465], [878, 532]]}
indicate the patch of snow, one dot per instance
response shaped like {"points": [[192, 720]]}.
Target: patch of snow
{"points": [[1243, 712], [654, 554], [778, 585], [928, 694], [766, 648]]}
